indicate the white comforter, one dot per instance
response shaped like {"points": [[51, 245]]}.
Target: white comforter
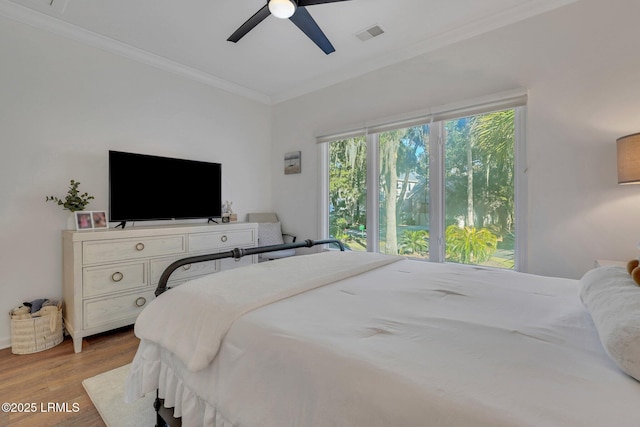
{"points": [[405, 344], [213, 303]]}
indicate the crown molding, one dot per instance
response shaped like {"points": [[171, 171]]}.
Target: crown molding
{"points": [[56, 26], [46, 22]]}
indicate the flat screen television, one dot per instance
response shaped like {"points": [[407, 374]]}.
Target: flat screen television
{"points": [[143, 187]]}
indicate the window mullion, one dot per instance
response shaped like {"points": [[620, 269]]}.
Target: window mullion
{"points": [[373, 191], [436, 193], [520, 190]]}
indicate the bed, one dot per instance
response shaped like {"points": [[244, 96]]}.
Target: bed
{"points": [[363, 339]]}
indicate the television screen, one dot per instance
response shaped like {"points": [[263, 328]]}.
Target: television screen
{"points": [[144, 187]]}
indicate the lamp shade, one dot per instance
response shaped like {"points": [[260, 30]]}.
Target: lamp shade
{"points": [[282, 9], [629, 159]]}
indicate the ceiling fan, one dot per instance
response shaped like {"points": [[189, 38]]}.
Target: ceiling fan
{"points": [[295, 11]]}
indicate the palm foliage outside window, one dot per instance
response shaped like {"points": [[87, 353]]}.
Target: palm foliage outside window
{"points": [[478, 187]]}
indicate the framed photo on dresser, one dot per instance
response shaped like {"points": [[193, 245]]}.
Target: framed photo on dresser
{"points": [[99, 219], [83, 220], [91, 220]]}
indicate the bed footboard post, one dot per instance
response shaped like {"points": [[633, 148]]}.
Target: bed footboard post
{"points": [[164, 416], [156, 405]]}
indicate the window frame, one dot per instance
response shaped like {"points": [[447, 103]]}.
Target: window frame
{"points": [[436, 177]]}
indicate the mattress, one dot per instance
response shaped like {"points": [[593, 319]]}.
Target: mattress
{"points": [[404, 343]]}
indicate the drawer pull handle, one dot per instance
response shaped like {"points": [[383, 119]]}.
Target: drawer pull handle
{"points": [[186, 267], [223, 238], [140, 302], [237, 259], [140, 246], [117, 276]]}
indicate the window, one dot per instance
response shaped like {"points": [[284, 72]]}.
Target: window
{"points": [[404, 191], [442, 190], [348, 192], [479, 189]]}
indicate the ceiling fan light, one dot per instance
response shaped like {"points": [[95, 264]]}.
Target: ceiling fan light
{"points": [[282, 9]]}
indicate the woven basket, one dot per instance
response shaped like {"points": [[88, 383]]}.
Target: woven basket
{"points": [[34, 335]]}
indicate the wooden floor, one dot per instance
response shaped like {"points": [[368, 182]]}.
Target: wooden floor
{"points": [[55, 376]]}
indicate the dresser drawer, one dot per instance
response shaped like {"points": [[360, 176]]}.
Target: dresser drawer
{"points": [[182, 273], [113, 278], [126, 249], [221, 240], [229, 263], [103, 311]]}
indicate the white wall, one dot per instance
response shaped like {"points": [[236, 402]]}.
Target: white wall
{"points": [[580, 64], [63, 105]]}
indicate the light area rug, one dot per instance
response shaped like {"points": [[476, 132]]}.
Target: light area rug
{"points": [[106, 391]]}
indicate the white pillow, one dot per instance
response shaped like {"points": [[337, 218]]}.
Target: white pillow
{"points": [[613, 300], [269, 233]]}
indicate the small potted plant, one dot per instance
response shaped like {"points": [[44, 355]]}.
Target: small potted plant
{"points": [[74, 201]]}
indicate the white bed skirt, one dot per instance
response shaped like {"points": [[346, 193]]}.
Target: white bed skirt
{"points": [[148, 375]]}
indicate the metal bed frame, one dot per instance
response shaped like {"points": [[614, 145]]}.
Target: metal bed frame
{"points": [[164, 416]]}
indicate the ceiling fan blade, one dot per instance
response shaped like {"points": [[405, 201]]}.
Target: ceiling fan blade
{"points": [[312, 2], [257, 18], [308, 25]]}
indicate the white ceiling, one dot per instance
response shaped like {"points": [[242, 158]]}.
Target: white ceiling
{"points": [[275, 61]]}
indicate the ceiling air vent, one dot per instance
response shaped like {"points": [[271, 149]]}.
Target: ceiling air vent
{"points": [[370, 33]]}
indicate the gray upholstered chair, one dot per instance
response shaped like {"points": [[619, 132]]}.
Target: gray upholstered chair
{"points": [[270, 233]]}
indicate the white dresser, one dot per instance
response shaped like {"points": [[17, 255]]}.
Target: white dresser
{"points": [[109, 276]]}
